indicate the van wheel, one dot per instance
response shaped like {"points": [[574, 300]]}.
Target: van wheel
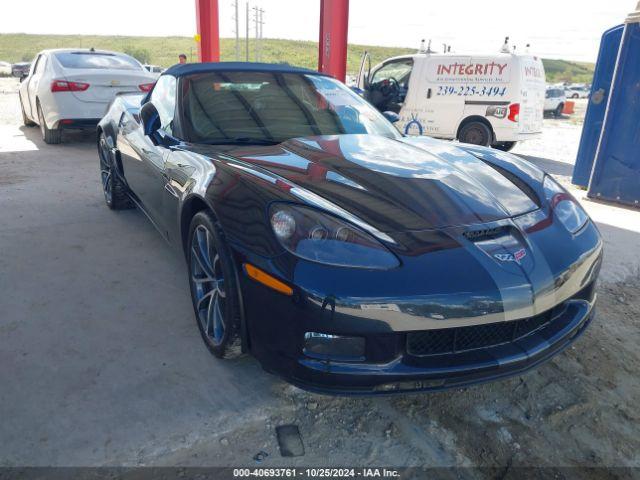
{"points": [[504, 146], [475, 133], [49, 135]]}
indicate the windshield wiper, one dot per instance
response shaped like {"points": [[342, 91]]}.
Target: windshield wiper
{"points": [[241, 141]]}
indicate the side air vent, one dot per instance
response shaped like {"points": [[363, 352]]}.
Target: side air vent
{"points": [[485, 233]]}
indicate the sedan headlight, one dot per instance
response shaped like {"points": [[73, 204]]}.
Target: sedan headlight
{"points": [[564, 206], [317, 236]]}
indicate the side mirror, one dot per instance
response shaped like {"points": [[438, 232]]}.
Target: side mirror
{"points": [[150, 119], [393, 117], [23, 75]]}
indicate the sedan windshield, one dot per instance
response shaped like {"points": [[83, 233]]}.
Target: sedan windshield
{"points": [[261, 107]]}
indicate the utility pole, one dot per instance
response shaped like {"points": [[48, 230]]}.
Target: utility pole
{"points": [[261, 28], [256, 21], [237, 19], [246, 44]]}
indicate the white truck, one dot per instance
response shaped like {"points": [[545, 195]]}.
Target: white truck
{"points": [[492, 100]]}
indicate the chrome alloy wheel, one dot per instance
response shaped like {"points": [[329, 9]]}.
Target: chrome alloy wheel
{"points": [[105, 170], [207, 285]]}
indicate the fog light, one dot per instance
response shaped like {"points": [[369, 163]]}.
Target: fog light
{"points": [[333, 347]]}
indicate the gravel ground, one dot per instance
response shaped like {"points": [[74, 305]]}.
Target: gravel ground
{"points": [[580, 409]]}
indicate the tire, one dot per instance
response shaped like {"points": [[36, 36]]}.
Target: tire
{"points": [[212, 281], [25, 119], [504, 146], [476, 133], [114, 190], [558, 111], [50, 136], [575, 95]]}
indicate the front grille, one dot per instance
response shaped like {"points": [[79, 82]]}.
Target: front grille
{"points": [[461, 339]]}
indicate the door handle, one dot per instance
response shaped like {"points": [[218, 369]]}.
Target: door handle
{"points": [[429, 93]]}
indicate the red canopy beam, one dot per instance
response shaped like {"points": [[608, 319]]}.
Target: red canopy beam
{"points": [[334, 27], [207, 18]]}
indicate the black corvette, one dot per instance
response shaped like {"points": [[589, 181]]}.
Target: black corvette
{"points": [[344, 256]]}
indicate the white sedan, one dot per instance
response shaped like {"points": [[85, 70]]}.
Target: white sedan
{"points": [[72, 88]]}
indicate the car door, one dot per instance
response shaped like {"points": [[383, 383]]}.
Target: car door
{"points": [[392, 73], [144, 156], [35, 76]]}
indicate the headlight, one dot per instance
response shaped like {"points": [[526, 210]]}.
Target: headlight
{"points": [[564, 206], [320, 237]]}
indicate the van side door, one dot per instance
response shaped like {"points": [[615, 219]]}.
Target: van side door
{"points": [[443, 95]]}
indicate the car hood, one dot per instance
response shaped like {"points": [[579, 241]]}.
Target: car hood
{"points": [[394, 185]]}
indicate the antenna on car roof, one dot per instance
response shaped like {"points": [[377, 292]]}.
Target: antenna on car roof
{"points": [[425, 49], [505, 46]]}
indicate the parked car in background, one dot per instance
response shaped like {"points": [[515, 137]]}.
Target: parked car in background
{"points": [[20, 69], [71, 88], [345, 256], [554, 101], [153, 69], [5, 69], [490, 100], [577, 92]]}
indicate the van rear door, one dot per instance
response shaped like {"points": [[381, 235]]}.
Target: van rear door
{"points": [[532, 94]]}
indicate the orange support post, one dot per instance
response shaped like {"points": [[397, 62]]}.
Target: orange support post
{"points": [[207, 18], [332, 47]]}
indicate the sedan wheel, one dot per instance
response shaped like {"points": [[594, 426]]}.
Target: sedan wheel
{"points": [[213, 289], [49, 135]]}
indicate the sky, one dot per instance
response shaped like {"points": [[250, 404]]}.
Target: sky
{"points": [[568, 29]]}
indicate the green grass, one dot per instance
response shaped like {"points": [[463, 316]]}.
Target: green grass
{"points": [[165, 50]]}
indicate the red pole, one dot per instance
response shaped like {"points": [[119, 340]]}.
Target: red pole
{"points": [[334, 28], [208, 30]]}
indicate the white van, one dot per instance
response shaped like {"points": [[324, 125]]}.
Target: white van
{"points": [[494, 100]]}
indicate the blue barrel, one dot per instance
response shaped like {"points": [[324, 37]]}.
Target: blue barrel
{"points": [[609, 46], [616, 171]]}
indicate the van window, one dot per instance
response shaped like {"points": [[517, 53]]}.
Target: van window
{"points": [[399, 70]]}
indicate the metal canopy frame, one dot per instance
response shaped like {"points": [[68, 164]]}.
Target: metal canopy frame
{"points": [[332, 44]]}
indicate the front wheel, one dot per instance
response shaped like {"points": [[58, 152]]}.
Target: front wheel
{"points": [[214, 292], [52, 136], [504, 146], [476, 133]]}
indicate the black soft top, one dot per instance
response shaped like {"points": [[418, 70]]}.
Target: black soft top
{"points": [[183, 69]]}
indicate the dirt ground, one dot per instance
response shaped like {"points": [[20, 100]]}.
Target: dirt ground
{"points": [[580, 409]]}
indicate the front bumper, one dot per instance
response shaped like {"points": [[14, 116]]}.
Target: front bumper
{"points": [[552, 297], [398, 370], [414, 374]]}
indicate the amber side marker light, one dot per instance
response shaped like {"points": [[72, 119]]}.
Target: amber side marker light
{"points": [[266, 279]]}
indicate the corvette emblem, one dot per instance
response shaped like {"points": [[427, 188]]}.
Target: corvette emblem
{"points": [[511, 257]]}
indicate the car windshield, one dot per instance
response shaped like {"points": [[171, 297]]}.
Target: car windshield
{"points": [[97, 60], [261, 107]]}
